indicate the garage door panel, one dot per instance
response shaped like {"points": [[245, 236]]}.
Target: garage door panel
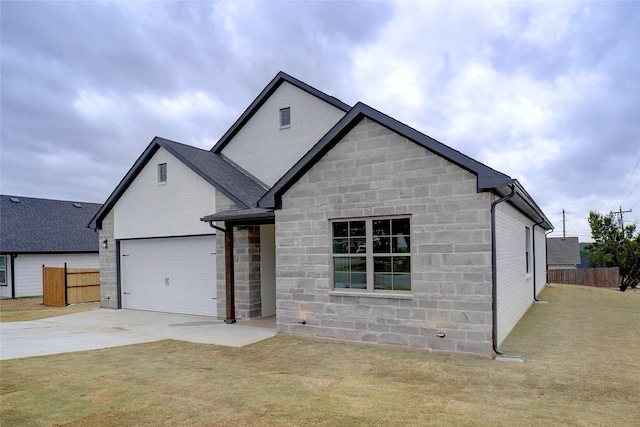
{"points": [[175, 275]]}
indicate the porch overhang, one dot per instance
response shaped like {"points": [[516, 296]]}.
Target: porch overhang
{"points": [[233, 218], [248, 216]]}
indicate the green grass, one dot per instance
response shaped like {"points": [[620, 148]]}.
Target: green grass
{"points": [[581, 354]]}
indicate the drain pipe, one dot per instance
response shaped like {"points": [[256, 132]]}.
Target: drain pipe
{"points": [[546, 255], [229, 272], [494, 276], [533, 236], [12, 258]]}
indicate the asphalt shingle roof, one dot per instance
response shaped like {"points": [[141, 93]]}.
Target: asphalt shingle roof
{"points": [[30, 225], [218, 170]]}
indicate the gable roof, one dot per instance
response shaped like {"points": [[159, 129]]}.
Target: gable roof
{"points": [[488, 179], [211, 167], [31, 225], [563, 250], [262, 98]]}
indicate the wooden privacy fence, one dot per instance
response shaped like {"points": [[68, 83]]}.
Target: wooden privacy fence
{"points": [[596, 277], [63, 286]]}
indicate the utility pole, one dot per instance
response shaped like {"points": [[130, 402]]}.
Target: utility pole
{"points": [[621, 213], [563, 224]]}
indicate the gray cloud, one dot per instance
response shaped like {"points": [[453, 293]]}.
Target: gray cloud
{"points": [[547, 93]]}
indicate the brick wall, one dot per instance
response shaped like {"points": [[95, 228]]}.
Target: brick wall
{"points": [[375, 172], [149, 209], [514, 284], [247, 272], [279, 149]]}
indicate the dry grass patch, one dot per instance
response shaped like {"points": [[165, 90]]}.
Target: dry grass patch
{"points": [[32, 308], [578, 371]]}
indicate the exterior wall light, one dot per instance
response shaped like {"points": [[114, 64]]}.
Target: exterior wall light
{"points": [[104, 244]]}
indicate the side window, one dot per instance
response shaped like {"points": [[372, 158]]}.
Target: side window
{"points": [[3, 270], [162, 173]]}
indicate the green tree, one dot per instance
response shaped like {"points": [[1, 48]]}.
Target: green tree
{"points": [[614, 246]]}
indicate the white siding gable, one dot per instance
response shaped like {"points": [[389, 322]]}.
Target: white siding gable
{"points": [[151, 209], [265, 150]]}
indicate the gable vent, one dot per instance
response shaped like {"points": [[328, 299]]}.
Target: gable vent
{"points": [[77, 205], [14, 199]]}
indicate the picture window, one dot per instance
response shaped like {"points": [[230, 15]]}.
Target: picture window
{"points": [[372, 254]]}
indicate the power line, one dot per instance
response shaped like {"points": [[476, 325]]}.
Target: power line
{"points": [[634, 189], [627, 183]]}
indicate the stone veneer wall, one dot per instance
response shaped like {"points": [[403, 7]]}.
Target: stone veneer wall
{"points": [[247, 272], [108, 265], [246, 247], [375, 172]]}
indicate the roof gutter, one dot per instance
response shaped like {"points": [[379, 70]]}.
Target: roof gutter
{"points": [[494, 276]]}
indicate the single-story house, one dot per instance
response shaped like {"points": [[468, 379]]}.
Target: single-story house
{"points": [[36, 232], [563, 253], [342, 221]]}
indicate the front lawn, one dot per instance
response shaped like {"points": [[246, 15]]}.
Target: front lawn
{"points": [[581, 354]]}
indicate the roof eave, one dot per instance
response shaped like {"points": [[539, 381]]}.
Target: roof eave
{"points": [[488, 179]]}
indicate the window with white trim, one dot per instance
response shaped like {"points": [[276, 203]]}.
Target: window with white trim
{"points": [[285, 117], [162, 173], [3, 270], [371, 254]]}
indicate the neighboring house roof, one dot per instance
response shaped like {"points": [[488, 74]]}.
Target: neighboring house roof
{"points": [[262, 98], [31, 225], [488, 178], [212, 167], [563, 250]]}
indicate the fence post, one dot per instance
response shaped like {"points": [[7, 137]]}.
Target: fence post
{"points": [[65, 285]]}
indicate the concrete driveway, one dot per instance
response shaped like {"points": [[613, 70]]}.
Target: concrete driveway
{"points": [[102, 328]]}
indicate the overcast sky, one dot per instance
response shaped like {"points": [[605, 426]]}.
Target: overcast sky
{"points": [[548, 93]]}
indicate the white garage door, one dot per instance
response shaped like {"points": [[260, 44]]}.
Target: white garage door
{"points": [[175, 275]]}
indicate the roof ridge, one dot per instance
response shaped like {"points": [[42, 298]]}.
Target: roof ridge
{"points": [[50, 200]]}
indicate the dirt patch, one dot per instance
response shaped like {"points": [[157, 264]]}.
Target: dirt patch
{"points": [[24, 309], [32, 303]]}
